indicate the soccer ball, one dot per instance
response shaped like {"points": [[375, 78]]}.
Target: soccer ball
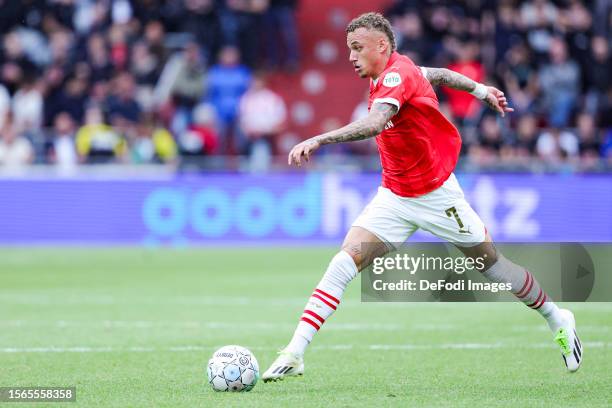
{"points": [[233, 368]]}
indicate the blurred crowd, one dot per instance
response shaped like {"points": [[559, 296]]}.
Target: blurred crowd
{"points": [[155, 81], [551, 58], [141, 81]]}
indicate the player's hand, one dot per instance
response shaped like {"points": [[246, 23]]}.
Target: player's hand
{"points": [[306, 148], [496, 100]]}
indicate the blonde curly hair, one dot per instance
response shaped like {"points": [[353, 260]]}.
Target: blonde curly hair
{"points": [[373, 21]]}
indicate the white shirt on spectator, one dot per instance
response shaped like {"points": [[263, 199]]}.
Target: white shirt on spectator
{"points": [[5, 105], [17, 154], [262, 112], [28, 109], [532, 15], [65, 152], [549, 146]]}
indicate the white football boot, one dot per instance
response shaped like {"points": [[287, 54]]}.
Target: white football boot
{"points": [[567, 338], [287, 364]]}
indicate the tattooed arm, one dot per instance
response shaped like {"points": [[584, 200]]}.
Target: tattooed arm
{"points": [[361, 129], [492, 97], [452, 79], [370, 126]]}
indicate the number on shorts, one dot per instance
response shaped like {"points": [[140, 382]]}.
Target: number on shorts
{"points": [[452, 212]]}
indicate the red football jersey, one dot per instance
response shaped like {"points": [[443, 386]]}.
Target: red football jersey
{"points": [[419, 147]]}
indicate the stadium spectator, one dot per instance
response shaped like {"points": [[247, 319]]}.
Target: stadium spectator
{"points": [[121, 11], [538, 13], [154, 35], [560, 83], [555, 144], [606, 148], [437, 22], [119, 53], [98, 58], [526, 136], [60, 46], [71, 99], [490, 142], [282, 40], [507, 31], [491, 139], [602, 14], [201, 138], [28, 106], [5, 105], [240, 21], [597, 78], [589, 141], [575, 21], [520, 78], [152, 143], [16, 64], [16, 150], [10, 13], [201, 18], [182, 84], [227, 82], [410, 38], [144, 65], [53, 79], [262, 115], [62, 149], [463, 106], [98, 142], [122, 102], [98, 94], [57, 14], [537, 18], [89, 16]]}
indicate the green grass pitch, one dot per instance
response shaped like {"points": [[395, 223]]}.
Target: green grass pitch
{"points": [[135, 327]]}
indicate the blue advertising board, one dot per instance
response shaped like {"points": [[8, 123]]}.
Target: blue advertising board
{"points": [[293, 208]]}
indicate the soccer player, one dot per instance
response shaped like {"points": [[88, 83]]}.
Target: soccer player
{"points": [[418, 149]]}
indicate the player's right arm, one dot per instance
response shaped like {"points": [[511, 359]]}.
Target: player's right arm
{"points": [[491, 96], [370, 126]]}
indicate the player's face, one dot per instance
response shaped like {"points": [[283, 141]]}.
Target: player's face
{"points": [[367, 52]]}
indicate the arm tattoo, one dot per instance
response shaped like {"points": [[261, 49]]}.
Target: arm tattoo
{"points": [[452, 79], [370, 126]]}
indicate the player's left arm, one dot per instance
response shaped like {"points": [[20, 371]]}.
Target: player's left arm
{"points": [[491, 96], [361, 129]]}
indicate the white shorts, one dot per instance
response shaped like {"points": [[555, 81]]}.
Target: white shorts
{"points": [[444, 212]]}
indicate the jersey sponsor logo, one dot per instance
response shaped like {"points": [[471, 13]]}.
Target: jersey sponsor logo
{"points": [[389, 125], [392, 79]]}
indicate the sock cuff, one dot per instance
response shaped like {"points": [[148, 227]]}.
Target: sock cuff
{"points": [[346, 262]]}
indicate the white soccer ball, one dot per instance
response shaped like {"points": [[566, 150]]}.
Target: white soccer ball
{"points": [[233, 368]]}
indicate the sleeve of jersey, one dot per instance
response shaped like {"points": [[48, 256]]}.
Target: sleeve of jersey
{"points": [[396, 89]]}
